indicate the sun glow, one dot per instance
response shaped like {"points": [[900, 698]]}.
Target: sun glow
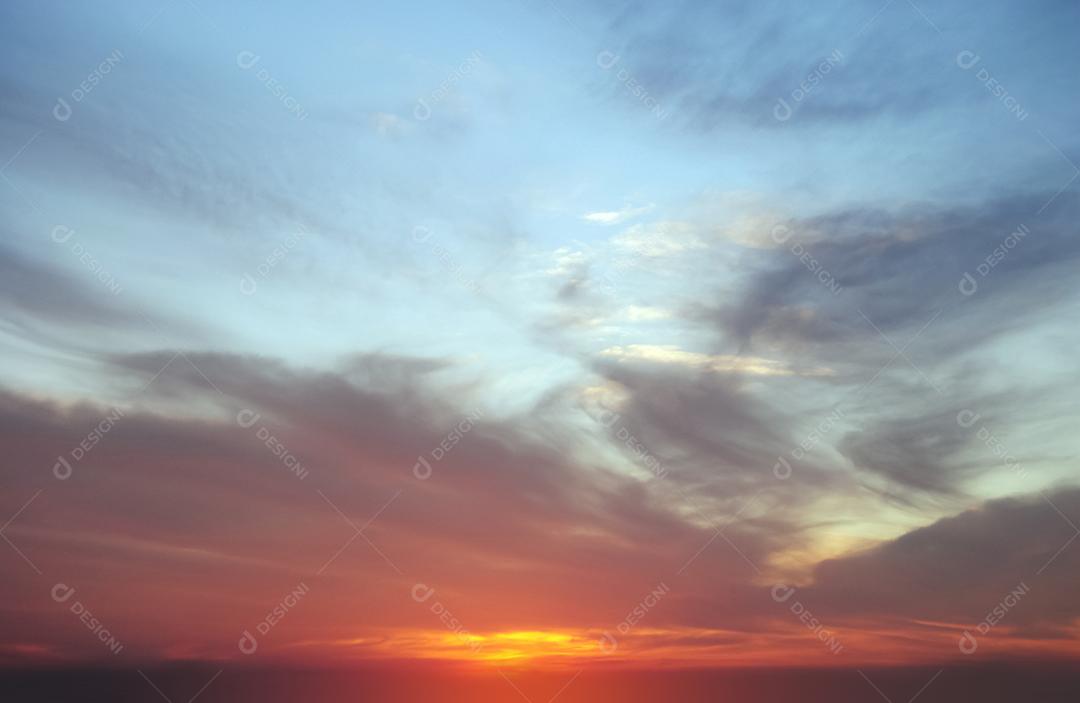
{"points": [[517, 645]]}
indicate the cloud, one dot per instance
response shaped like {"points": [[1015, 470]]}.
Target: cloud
{"points": [[614, 217], [205, 515], [41, 291], [208, 515], [959, 568], [908, 349], [921, 452], [719, 440], [387, 124], [897, 269], [659, 239], [672, 354], [735, 74], [43, 300], [646, 313]]}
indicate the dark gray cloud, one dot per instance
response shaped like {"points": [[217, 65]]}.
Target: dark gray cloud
{"points": [[958, 568], [718, 439], [162, 493], [714, 65], [897, 270], [33, 291], [916, 452], [900, 285], [37, 289]]}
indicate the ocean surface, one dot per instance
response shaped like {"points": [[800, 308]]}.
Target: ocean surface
{"points": [[411, 684]]}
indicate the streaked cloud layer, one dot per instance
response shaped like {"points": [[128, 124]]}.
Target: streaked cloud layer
{"points": [[539, 336]]}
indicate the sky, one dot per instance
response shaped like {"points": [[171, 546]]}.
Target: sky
{"points": [[534, 336]]}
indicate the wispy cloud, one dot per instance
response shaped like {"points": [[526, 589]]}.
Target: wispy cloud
{"points": [[614, 217], [720, 363]]}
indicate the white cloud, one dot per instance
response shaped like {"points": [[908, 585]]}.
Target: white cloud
{"points": [[645, 313], [742, 217], [658, 239], [722, 363], [614, 217], [567, 261], [388, 124]]}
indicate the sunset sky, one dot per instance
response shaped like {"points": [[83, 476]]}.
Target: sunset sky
{"points": [[539, 337]]}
